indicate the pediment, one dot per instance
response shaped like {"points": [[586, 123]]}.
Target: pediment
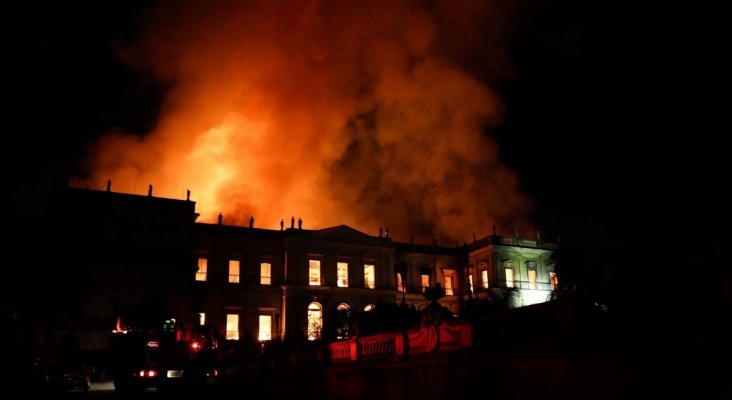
{"points": [[345, 234]]}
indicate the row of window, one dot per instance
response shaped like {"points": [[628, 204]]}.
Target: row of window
{"points": [[314, 274], [265, 271], [266, 327], [449, 278], [510, 280], [369, 270], [314, 279]]}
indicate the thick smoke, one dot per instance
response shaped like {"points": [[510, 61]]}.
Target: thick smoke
{"points": [[367, 113]]}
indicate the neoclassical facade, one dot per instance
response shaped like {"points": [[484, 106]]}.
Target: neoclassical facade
{"points": [[264, 284], [143, 257]]}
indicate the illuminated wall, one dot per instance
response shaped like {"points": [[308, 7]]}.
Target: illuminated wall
{"points": [[530, 260]]}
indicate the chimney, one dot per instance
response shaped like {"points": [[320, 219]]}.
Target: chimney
{"points": [[109, 185], [149, 191], [221, 218]]}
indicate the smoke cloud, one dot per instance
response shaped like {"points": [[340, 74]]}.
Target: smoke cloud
{"points": [[371, 114]]}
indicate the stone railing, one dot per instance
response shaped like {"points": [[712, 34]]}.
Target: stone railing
{"points": [[426, 339], [343, 351], [381, 346]]}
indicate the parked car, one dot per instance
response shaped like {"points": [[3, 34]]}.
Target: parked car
{"points": [[76, 379], [61, 375]]}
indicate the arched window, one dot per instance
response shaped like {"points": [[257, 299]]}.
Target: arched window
{"points": [[343, 322], [369, 307], [315, 320]]}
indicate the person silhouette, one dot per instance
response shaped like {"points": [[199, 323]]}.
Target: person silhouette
{"points": [[292, 223], [282, 224], [299, 223], [251, 221]]}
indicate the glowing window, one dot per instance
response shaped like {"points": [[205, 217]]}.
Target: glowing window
{"points": [[315, 320], [343, 307], [470, 282], [265, 273], [232, 326], [314, 274], [342, 274], [532, 279], [554, 280], [234, 271], [509, 277], [400, 283], [369, 307], [369, 276], [202, 272], [425, 281], [202, 318], [484, 278], [265, 327], [449, 276]]}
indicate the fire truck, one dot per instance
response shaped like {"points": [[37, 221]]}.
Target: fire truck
{"points": [[162, 359]]}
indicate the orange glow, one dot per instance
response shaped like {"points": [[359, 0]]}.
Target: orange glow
{"points": [[118, 327], [354, 113]]}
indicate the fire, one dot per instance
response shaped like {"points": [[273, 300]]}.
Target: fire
{"points": [[333, 112]]}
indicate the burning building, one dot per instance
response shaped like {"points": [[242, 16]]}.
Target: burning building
{"points": [[137, 259]]}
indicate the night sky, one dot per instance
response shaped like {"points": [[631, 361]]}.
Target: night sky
{"points": [[605, 125]]}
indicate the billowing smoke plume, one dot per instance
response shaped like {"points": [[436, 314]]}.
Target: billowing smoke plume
{"points": [[365, 113]]}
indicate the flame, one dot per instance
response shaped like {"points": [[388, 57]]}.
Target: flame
{"points": [[358, 113]]}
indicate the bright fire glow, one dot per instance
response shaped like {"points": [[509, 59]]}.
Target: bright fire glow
{"points": [[369, 276], [314, 272], [339, 112], [265, 273], [118, 327], [232, 326], [265, 327], [342, 274]]}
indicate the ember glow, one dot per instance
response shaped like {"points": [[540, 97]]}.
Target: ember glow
{"points": [[357, 113]]}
